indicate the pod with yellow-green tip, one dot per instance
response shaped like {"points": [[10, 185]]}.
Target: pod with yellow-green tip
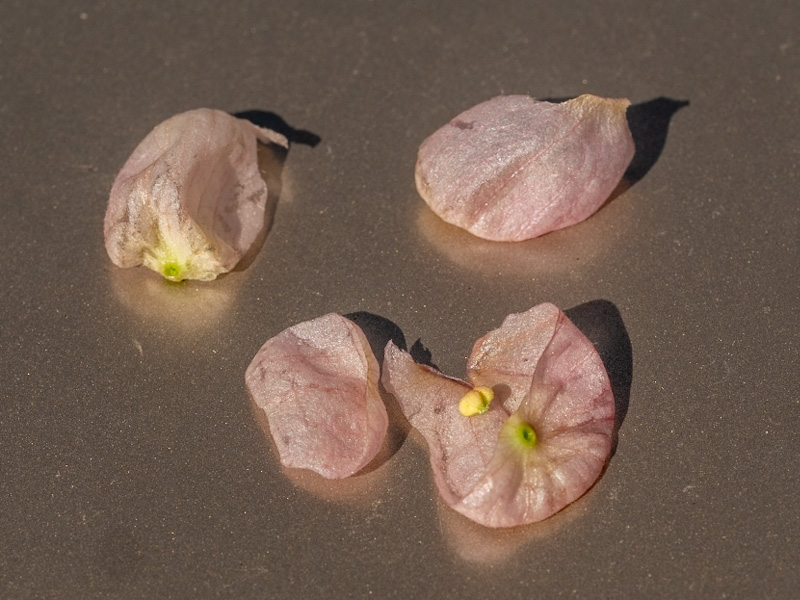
{"points": [[190, 202], [541, 443]]}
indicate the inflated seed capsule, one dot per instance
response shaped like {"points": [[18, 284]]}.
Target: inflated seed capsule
{"points": [[190, 201]]}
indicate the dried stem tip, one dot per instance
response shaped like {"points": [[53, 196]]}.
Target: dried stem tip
{"points": [[476, 401]]}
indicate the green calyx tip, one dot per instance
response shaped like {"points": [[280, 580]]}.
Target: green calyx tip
{"points": [[519, 434], [527, 435], [172, 271]]}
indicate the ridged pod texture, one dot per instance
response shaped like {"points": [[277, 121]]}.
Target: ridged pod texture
{"points": [[317, 383], [514, 168], [544, 440], [190, 201]]}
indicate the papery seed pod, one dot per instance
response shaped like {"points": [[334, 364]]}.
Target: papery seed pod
{"points": [[190, 201], [539, 445], [514, 168], [317, 382]]}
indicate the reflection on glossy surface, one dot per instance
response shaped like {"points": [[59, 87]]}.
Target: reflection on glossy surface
{"points": [[121, 480], [186, 308], [193, 307], [552, 253], [475, 543], [359, 489]]}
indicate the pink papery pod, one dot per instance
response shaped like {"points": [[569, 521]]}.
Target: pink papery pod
{"points": [[513, 168], [190, 202], [544, 440], [317, 383]]}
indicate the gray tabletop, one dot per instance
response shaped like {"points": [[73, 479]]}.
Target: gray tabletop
{"points": [[132, 462]]}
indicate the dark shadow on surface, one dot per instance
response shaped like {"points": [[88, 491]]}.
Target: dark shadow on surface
{"points": [[557, 100], [271, 159], [649, 123], [422, 355], [600, 321], [274, 122], [379, 331]]}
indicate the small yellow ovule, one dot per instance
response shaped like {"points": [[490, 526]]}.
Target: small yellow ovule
{"points": [[476, 401]]}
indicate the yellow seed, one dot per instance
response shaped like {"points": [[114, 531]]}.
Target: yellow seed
{"points": [[476, 401]]}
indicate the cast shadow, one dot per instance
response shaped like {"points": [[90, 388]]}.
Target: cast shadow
{"points": [[422, 355], [600, 321], [649, 124], [271, 159], [379, 331], [274, 122]]}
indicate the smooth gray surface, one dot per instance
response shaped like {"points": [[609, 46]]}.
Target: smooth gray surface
{"points": [[131, 462]]}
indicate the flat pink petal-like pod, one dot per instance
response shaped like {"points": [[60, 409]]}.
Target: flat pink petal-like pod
{"points": [[190, 201], [513, 168], [460, 447], [317, 382], [506, 357], [510, 467]]}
